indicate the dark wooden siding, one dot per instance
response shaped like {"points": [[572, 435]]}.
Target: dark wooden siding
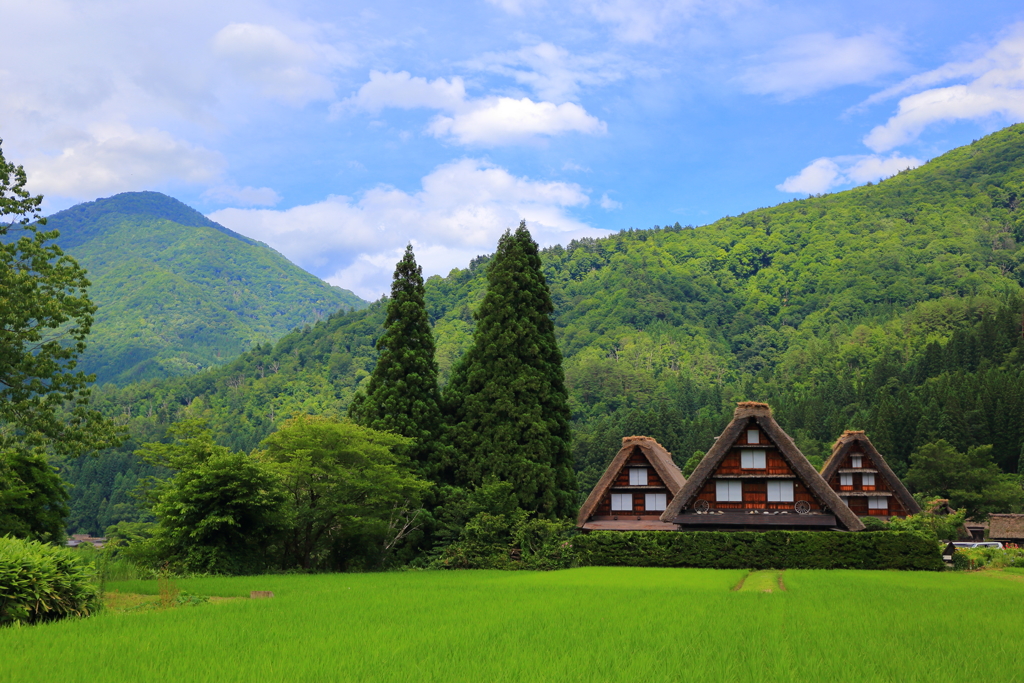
{"points": [[654, 485]]}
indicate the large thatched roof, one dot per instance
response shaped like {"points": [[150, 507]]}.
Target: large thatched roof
{"points": [[762, 414], [842, 447], [660, 459], [1009, 527]]}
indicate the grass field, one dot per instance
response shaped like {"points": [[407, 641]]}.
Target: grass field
{"points": [[593, 624]]}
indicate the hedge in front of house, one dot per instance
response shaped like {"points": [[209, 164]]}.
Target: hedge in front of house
{"points": [[759, 550], [40, 582]]}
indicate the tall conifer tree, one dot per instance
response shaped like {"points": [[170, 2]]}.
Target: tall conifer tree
{"points": [[402, 395], [507, 402]]}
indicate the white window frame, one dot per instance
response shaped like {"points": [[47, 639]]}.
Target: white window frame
{"points": [[878, 503], [753, 459], [656, 502], [753, 436], [729, 490], [856, 461], [780, 490], [845, 479], [620, 499], [638, 476], [867, 479]]}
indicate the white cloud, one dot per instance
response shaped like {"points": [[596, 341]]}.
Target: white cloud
{"points": [[461, 210], [243, 196], [997, 89], [552, 72], [827, 173], [487, 121], [117, 158], [609, 204], [282, 68], [809, 63]]}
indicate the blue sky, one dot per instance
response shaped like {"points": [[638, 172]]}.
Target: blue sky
{"points": [[337, 132]]}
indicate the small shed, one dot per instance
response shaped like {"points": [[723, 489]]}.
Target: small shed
{"points": [[754, 477], [864, 480], [639, 483], [1006, 528]]}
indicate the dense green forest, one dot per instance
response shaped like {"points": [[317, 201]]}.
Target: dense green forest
{"points": [[895, 307], [178, 293]]}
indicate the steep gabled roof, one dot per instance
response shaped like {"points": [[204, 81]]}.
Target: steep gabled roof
{"points": [[660, 459], [1006, 526], [762, 414], [842, 447]]}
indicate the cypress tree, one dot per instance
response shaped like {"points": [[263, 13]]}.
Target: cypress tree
{"points": [[507, 402], [402, 395]]}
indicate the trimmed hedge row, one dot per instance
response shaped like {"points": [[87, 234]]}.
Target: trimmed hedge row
{"points": [[759, 550], [40, 582]]}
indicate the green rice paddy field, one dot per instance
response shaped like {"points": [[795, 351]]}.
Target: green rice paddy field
{"points": [[592, 624]]}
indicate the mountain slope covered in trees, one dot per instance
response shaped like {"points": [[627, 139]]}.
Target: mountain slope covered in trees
{"points": [[894, 307], [177, 292]]}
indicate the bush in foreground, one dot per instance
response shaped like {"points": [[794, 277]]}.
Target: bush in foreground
{"points": [[39, 582]]}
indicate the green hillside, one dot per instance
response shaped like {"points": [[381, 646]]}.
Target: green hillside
{"points": [[894, 307], [178, 293]]}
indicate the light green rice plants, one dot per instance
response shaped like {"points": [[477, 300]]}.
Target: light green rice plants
{"points": [[40, 582]]}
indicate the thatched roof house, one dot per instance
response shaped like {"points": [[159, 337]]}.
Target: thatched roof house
{"points": [[864, 480], [754, 477], [635, 489], [1008, 528]]}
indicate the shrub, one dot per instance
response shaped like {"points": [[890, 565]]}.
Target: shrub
{"points": [[39, 582], [759, 550], [994, 558]]}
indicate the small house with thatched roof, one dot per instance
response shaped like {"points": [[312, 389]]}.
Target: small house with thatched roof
{"points": [[754, 477], [864, 480], [638, 485], [1006, 528]]}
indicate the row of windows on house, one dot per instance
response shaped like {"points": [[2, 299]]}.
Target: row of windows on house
{"points": [[874, 502], [654, 502], [731, 491], [867, 479]]}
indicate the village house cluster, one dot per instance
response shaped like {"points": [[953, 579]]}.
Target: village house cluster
{"points": [[753, 478]]}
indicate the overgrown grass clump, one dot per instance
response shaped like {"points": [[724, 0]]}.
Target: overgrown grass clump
{"points": [[40, 582], [588, 624]]}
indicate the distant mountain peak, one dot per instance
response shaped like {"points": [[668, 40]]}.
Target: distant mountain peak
{"points": [[147, 203]]}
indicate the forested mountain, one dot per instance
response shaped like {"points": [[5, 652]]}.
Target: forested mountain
{"points": [[894, 307], [178, 293]]}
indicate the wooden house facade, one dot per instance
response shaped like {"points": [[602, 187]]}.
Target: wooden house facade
{"points": [[863, 479], [755, 478], [636, 488]]}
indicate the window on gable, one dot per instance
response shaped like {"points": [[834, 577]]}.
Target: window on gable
{"points": [[638, 476], [655, 501], [622, 501], [752, 459], [780, 490], [856, 461], [846, 479], [729, 491], [753, 436], [878, 503], [867, 479]]}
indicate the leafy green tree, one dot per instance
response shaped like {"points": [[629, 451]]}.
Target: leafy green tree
{"points": [[347, 486], [692, 462], [507, 396], [969, 480], [402, 394], [219, 511], [45, 315], [33, 502]]}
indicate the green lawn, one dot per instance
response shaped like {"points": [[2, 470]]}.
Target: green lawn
{"points": [[593, 624]]}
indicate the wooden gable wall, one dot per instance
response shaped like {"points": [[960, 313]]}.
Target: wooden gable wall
{"points": [[636, 458], [856, 495], [755, 481]]}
